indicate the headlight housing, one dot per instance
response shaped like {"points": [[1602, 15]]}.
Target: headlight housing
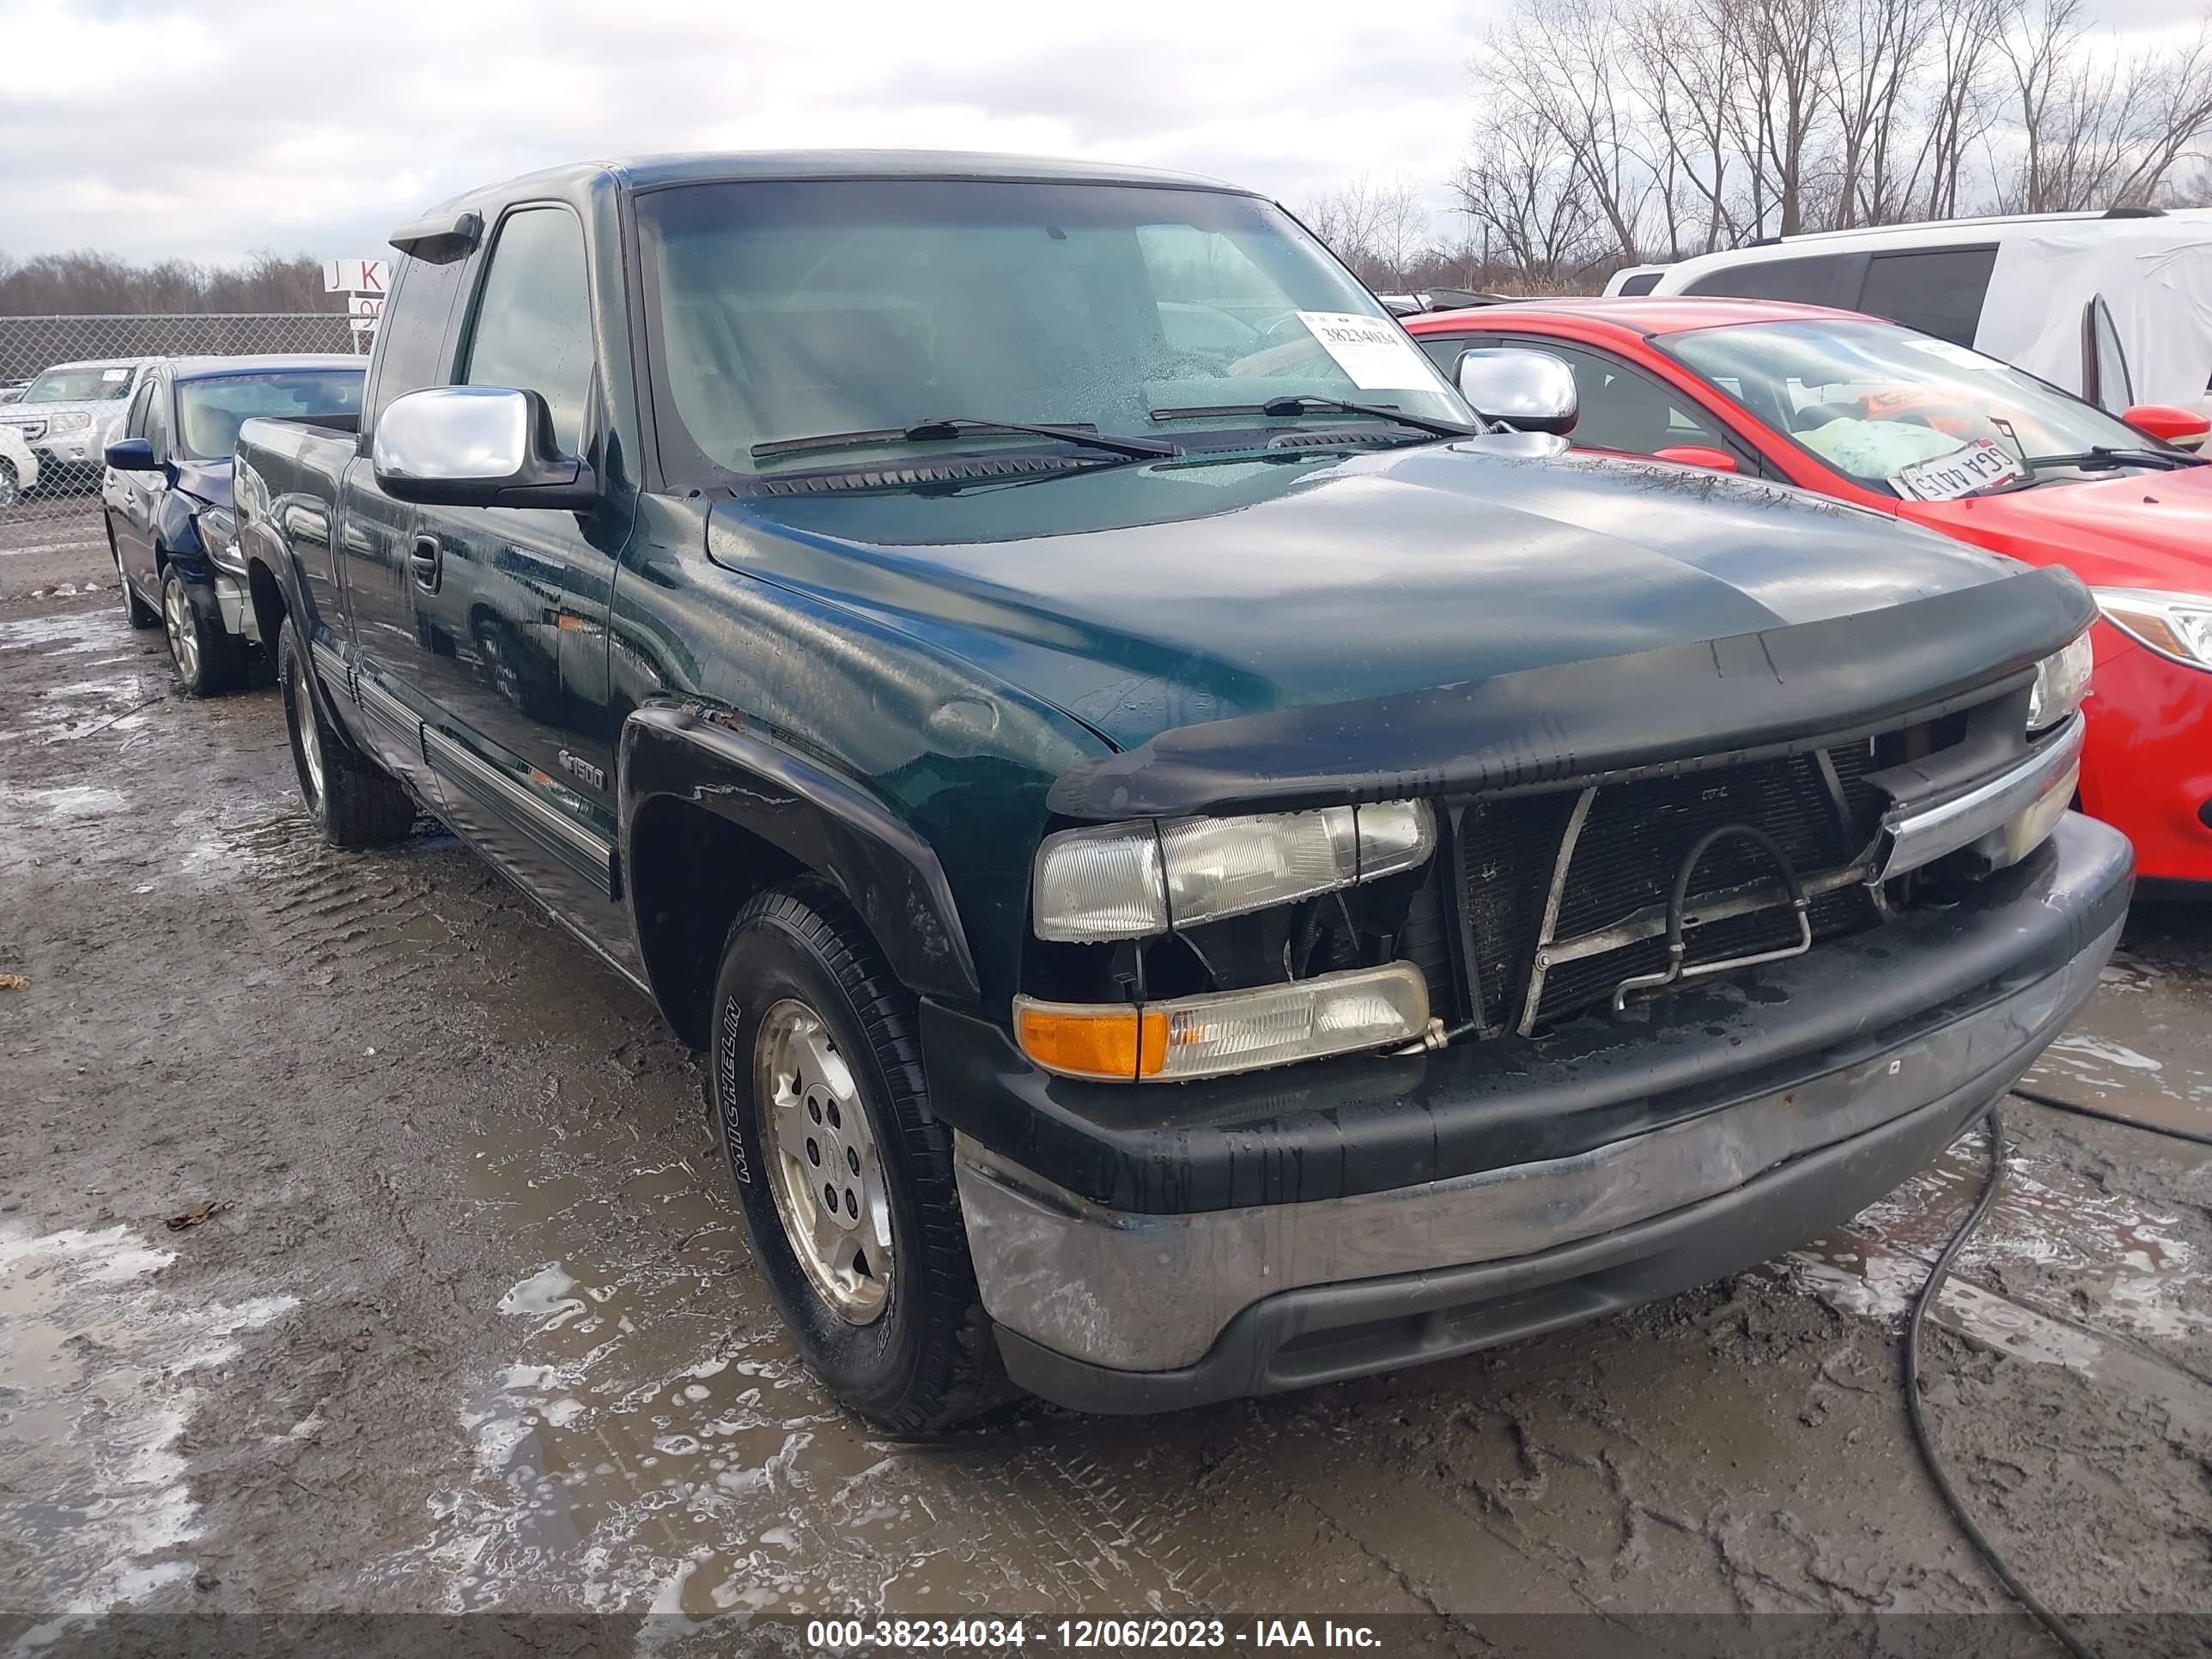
{"points": [[2176, 625], [1226, 1031], [218, 536], [70, 420], [1139, 879], [2062, 680]]}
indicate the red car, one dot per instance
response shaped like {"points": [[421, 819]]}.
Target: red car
{"points": [[1889, 419]]}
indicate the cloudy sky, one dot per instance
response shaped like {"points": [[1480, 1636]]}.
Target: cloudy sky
{"points": [[206, 129]]}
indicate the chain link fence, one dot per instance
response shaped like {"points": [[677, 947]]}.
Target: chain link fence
{"points": [[65, 386]]}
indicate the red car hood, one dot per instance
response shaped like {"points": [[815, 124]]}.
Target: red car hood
{"points": [[2146, 530]]}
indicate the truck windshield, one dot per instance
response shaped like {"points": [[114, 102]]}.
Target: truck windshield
{"points": [[1872, 399], [210, 411], [96, 384], [783, 311]]}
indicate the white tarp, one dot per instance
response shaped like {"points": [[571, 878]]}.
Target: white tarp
{"points": [[2155, 275]]}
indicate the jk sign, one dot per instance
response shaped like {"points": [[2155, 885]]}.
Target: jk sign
{"points": [[356, 276]]}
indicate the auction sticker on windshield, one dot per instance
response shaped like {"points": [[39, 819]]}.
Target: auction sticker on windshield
{"points": [[1374, 352], [1960, 472]]}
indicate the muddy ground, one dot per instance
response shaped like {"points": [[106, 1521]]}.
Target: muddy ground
{"points": [[472, 1326]]}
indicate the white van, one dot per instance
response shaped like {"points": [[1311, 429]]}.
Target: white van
{"points": [[2114, 307]]}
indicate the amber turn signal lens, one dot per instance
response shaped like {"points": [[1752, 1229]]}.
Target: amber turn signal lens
{"points": [[1120, 1043]]}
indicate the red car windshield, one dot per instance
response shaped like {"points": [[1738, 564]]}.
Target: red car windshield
{"points": [[1875, 401]]}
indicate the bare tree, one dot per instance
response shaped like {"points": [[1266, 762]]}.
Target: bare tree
{"points": [[2095, 129], [1872, 51], [85, 284], [1612, 130], [1566, 68], [1687, 58], [1347, 219], [1523, 185], [1959, 106]]}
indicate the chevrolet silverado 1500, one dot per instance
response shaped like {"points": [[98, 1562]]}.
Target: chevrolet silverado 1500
{"points": [[1198, 861]]}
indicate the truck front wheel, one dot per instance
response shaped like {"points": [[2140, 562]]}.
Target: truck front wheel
{"points": [[354, 802], [845, 1176]]}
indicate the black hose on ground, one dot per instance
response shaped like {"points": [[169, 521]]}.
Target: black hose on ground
{"points": [[2079, 1111], [1936, 1276]]}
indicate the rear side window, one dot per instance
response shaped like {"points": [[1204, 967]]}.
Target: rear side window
{"points": [[411, 350], [533, 327], [1938, 291], [1443, 350], [1808, 282], [1643, 283]]}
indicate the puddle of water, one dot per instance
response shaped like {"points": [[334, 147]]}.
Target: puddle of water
{"points": [[83, 709], [79, 631], [2128, 1266], [653, 1443], [2140, 1048], [73, 801], [96, 1386]]}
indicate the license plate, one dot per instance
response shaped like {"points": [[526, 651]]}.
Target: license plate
{"points": [[1961, 473]]}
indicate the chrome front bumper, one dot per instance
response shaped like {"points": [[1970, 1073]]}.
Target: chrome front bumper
{"points": [[1118, 1293]]}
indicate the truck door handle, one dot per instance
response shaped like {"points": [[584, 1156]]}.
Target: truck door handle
{"points": [[428, 560]]}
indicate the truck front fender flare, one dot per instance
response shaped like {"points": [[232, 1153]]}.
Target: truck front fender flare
{"points": [[260, 542], [826, 823]]}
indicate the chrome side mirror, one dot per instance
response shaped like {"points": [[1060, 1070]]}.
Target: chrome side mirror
{"points": [[476, 446], [1528, 391]]}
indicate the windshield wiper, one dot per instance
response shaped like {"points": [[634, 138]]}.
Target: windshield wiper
{"points": [[1305, 404], [2101, 458], [952, 425]]}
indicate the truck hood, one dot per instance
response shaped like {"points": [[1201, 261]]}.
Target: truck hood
{"points": [[2145, 529], [1143, 598]]}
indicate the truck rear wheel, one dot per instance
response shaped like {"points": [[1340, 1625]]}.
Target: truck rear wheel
{"points": [[845, 1175], [354, 802]]}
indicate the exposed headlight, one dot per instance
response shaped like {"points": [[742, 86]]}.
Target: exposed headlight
{"points": [[68, 421], [2176, 625], [219, 540], [2062, 680], [1229, 1031], [1137, 879]]}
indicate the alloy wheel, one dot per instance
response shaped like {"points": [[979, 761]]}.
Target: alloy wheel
{"points": [[828, 1176], [310, 736], [184, 633]]}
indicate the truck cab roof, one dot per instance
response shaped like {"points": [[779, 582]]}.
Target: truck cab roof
{"points": [[659, 171]]}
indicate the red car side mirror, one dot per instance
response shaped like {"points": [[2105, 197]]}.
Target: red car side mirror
{"points": [[2176, 425], [1715, 460]]}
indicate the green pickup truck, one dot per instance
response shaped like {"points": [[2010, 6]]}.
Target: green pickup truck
{"points": [[1203, 856]]}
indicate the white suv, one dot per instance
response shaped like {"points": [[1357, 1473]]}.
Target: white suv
{"points": [[70, 413], [19, 468], [2113, 306]]}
